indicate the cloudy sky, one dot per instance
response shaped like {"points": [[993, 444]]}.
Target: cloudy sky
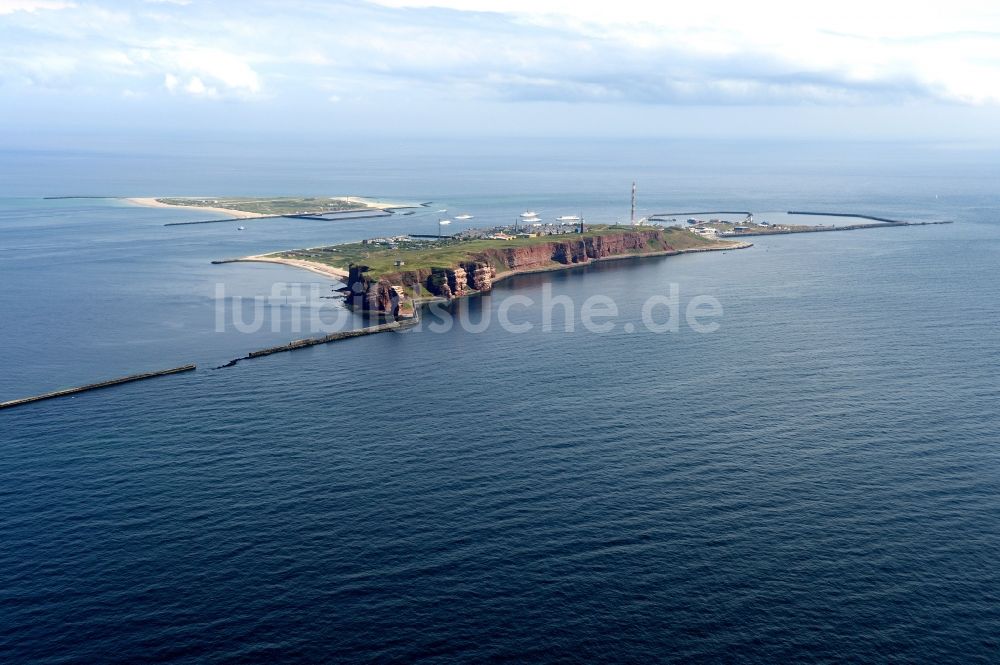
{"points": [[852, 68]]}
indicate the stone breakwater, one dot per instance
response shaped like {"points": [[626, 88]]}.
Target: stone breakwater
{"points": [[94, 386], [326, 339], [383, 294]]}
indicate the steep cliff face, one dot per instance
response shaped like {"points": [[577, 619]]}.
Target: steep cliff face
{"points": [[368, 295], [478, 274], [600, 247], [523, 258], [578, 250], [570, 252], [458, 281]]}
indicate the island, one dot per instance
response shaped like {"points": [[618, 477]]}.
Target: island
{"points": [[390, 276], [282, 206], [718, 227]]}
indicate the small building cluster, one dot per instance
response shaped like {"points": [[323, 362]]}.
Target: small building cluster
{"points": [[713, 228], [390, 242], [522, 230]]}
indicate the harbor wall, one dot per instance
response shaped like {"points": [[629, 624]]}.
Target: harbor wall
{"points": [[96, 386]]}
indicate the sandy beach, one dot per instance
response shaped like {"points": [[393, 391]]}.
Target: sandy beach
{"points": [[361, 203], [155, 203], [340, 274], [319, 268], [379, 205]]}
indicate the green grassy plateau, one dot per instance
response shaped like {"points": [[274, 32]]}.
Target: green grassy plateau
{"points": [[448, 252], [272, 206]]}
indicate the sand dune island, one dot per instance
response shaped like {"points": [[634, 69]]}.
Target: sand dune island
{"points": [[252, 207]]}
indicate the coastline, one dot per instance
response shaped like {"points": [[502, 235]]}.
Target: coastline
{"points": [[318, 268], [340, 275], [414, 305], [500, 276], [362, 203], [152, 202], [375, 204]]}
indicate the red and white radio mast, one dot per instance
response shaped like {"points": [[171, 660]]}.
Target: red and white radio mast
{"points": [[633, 203]]}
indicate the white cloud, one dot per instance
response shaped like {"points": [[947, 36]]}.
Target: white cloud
{"points": [[11, 6], [629, 51], [930, 50], [197, 87], [217, 65], [209, 71]]}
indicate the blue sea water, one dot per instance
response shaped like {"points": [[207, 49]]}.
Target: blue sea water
{"points": [[817, 481]]}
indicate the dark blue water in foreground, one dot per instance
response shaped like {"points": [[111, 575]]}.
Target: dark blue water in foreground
{"points": [[817, 480]]}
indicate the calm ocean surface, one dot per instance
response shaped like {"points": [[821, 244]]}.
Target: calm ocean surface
{"points": [[818, 480]]}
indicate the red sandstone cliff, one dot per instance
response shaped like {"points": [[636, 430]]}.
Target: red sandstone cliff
{"points": [[576, 250], [478, 274], [368, 295]]}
